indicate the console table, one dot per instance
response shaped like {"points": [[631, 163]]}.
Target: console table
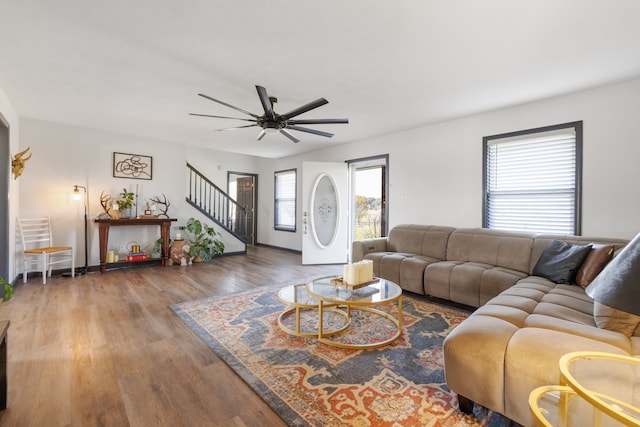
{"points": [[105, 224]]}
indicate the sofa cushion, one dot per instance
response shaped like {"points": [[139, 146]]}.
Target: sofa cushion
{"points": [[412, 273], [469, 283], [560, 261], [615, 320], [495, 247], [598, 257], [427, 240]]}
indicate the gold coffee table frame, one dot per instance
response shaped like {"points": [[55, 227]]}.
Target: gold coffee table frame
{"points": [[378, 293], [297, 297]]}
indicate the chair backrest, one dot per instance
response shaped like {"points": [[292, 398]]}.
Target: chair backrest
{"points": [[35, 232]]}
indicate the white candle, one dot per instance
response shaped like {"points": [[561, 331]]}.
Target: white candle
{"points": [[178, 236], [345, 273], [367, 271]]}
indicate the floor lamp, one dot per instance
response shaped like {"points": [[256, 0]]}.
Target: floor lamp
{"points": [[76, 196]]}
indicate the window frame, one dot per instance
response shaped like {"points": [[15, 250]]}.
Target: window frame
{"points": [[277, 201], [530, 133]]}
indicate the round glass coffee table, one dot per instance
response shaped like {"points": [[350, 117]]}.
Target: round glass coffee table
{"points": [[296, 320], [373, 298]]}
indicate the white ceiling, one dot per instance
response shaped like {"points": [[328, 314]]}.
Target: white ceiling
{"points": [[136, 67]]}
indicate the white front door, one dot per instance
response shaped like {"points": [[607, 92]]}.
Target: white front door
{"points": [[325, 210]]}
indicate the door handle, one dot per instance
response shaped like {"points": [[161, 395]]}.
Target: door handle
{"points": [[304, 222]]}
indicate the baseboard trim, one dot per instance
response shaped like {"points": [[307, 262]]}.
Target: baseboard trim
{"points": [[295, 251]]}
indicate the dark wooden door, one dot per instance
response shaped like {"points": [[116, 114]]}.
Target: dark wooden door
{"points": [[5, 160], [245, 197]]}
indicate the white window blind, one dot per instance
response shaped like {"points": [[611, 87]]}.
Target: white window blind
{"points": [[531, 182], [285, 200]]}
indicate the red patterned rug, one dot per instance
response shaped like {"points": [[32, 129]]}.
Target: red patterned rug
{"points": [[309, 383]]}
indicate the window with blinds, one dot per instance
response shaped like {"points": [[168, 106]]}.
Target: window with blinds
{"points": [[532, 180], [285, 200]]}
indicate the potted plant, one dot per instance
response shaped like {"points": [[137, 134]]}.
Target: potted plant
{"points": [[125, 203], [203, 240], [8, 289]]}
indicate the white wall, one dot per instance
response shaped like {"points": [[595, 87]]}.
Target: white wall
{"points": [[10, 115], [64, 156], [435, 171]]}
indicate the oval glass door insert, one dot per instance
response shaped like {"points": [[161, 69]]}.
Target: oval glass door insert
{"points": [[324, 211]]}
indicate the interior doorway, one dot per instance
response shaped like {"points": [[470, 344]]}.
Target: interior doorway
{"points": [[369, 183], [242, 187], [5, 159]]}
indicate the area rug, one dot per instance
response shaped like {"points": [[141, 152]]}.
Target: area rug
{"points": [[312, 384]]}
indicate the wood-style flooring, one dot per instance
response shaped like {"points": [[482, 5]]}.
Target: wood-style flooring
{"points": [[106, 349]]}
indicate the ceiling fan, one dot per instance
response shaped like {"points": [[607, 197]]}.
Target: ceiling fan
{"points": [[271, 121]]}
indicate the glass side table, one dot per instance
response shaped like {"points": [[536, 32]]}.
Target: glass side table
{"points": [[596, 389], [292, 320]]}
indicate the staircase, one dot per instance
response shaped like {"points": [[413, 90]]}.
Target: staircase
{"points": [[216, 204]]}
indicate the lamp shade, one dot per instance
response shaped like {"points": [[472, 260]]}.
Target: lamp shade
{"points": [[618, 285]]}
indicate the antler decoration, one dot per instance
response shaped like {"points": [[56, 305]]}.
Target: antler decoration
{"points": [[164, 203], [17, 164], [104, 201]]}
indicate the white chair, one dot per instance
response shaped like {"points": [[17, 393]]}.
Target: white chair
{"points": [[39, 252]]}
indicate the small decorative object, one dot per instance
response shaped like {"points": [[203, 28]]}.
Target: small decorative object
{"points": [[203, 239], [17, 164], [357, 274], [164, 205], [132, 166], [7, 288], [150, 211], [179, 253], [125, 203], [115, 211]]}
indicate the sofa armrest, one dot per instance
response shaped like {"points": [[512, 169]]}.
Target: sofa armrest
{"points": [[363, 247]]}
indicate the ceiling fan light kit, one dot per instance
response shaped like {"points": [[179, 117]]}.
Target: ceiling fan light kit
{"points": [[272, 122]]}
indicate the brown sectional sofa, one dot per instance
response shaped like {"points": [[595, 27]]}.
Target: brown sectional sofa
{"points": [[512, 343]]}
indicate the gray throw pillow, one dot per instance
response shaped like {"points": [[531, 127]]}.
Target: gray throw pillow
{"points": [[560, 261]]}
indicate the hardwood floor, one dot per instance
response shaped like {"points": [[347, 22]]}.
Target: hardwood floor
{"points": [[106, 349]]}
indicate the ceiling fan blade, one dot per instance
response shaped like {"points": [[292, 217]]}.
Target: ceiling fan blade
{"points": [[313, 131], [228, 105], [222, 117], [261, 135], [317, 121], [303, 109], [266, 102], [236, 127], [288, 135]]}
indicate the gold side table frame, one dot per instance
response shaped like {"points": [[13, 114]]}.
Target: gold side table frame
{"points": [[601, 408], [296, 296]]}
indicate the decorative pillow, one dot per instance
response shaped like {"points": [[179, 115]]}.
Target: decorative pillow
{"points": [[560, 261], [598, 257], [615, 320]]}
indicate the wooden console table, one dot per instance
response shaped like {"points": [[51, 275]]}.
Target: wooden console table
{"points": [[104, 224]]}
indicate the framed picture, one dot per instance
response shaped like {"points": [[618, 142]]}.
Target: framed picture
{"points": [[133, 166]]}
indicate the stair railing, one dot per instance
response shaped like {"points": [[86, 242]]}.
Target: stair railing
{"points": [[215, 204]]}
